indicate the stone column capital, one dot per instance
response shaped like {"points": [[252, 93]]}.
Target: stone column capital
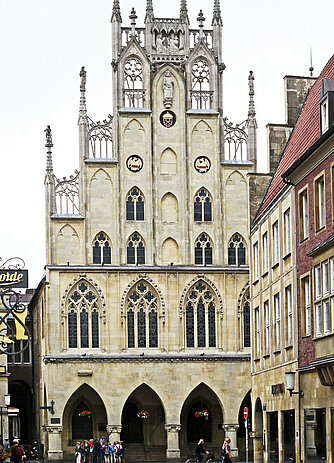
{"points": [[116, 428], [231, 427], [53, 428], [172, 427]]}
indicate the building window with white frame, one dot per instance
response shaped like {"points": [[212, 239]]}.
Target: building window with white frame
{"points": [[267, 327], [303, 215], [275, 243], [319, 203], [277, 307], [256, 261], [332, 290], [324, 116], [257, 332], [306, 308], [317, 282], [287, 232], [289, 315], [265, 253]]}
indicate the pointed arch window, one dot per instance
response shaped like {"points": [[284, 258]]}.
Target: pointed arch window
{"points": [[135, 251], [203, 206], [237, 250], [244, 318], [135, 205], [101, 249], [203, 250], [142, 317], [133, 92], [201, 96], [200, 315], [83, 317]]}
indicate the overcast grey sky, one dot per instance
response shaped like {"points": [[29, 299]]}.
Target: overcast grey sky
{"points": [[44, 43]]}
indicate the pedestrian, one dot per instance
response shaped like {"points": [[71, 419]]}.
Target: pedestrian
{"points": [[18, 453], [200, 451], [226, 451], [77, 453], [96, 450], [6, 444], [122, 452]]}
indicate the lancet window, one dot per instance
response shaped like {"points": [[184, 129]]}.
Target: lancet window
{"points": [[236, 250], [135, 251], [133, 92], [200, 311], [244, 318], [201, 96], [203, 250], [202, 206], [135, 205], [101, 249], [83, 317], [142, 317]]}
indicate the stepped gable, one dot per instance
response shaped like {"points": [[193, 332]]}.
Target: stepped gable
{"points": [[305, 133]]}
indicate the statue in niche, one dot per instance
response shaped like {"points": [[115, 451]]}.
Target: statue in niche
{"points": [[173, 42], [168, 86], [160, 45]]}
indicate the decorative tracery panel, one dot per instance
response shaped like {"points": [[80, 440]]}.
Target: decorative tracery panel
{"points": [[83, 308], [142, 306], [200, 311], [133, 92], [201, 96]]}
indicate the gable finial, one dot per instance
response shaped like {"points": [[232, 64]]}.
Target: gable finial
{"points": [[116, 12], [201, 20], [133, 16], [48, 145], [149, 11], [217, 17], [83, 108], [184, 11]]}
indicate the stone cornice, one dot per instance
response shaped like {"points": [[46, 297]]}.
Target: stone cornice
{"points": [[146, 358], [145, 269]]}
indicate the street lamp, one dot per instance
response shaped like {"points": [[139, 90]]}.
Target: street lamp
{"points": [[290, 377], [7, 403]]}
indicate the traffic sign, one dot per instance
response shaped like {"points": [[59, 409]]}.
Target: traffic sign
{"points": [[245, 413]]}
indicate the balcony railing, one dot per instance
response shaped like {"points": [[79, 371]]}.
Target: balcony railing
{"points": [[133, 98], [201, 99]]}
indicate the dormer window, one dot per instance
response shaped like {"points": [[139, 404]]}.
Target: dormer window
{"points": [[326, 105]]}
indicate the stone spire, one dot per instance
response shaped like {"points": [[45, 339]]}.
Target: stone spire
{"points": [[217, 17], [184, 11], [251, 110], [116, 12], [48, 146], [149, 11], [83, 108], [252, 124]]}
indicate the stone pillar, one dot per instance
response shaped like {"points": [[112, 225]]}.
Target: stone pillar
{"points": [[173, 446], [115, 430], [280, 427], [55, 451], [231, 432], [257, 446], [311, 450]]}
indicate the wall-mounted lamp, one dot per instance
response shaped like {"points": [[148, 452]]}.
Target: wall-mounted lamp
{"points": [[290, 383]]}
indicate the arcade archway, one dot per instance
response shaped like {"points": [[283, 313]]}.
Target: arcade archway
{"points": [[21, 398], [241, 433], [201, 418], [144, 438], [84, 416], [258, 432]]}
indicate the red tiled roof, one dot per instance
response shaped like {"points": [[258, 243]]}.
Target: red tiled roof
{"points": [[305, 133]]}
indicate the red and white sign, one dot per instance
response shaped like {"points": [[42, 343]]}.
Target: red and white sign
{"points": [[245, 413]]}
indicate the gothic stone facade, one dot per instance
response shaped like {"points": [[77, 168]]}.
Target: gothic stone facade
{"points": [[145, 302]]}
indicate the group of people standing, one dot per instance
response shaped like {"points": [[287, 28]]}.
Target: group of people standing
{"points": [[99, 451], [226, 451]]}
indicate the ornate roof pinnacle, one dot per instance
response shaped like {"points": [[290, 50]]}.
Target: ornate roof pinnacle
{"points": [[48, 145], [251, 110], [83, 108], [116, 12], [149, 11], [201, 20], [184, 11], [133, 18], [217, 17]]}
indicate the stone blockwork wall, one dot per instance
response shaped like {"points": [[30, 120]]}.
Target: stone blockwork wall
{"points": [[296, 89], [258, 184], [277, 136]]}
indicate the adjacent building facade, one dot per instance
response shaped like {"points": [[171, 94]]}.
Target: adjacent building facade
{"points": [[290, 235], [145, 304]]}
